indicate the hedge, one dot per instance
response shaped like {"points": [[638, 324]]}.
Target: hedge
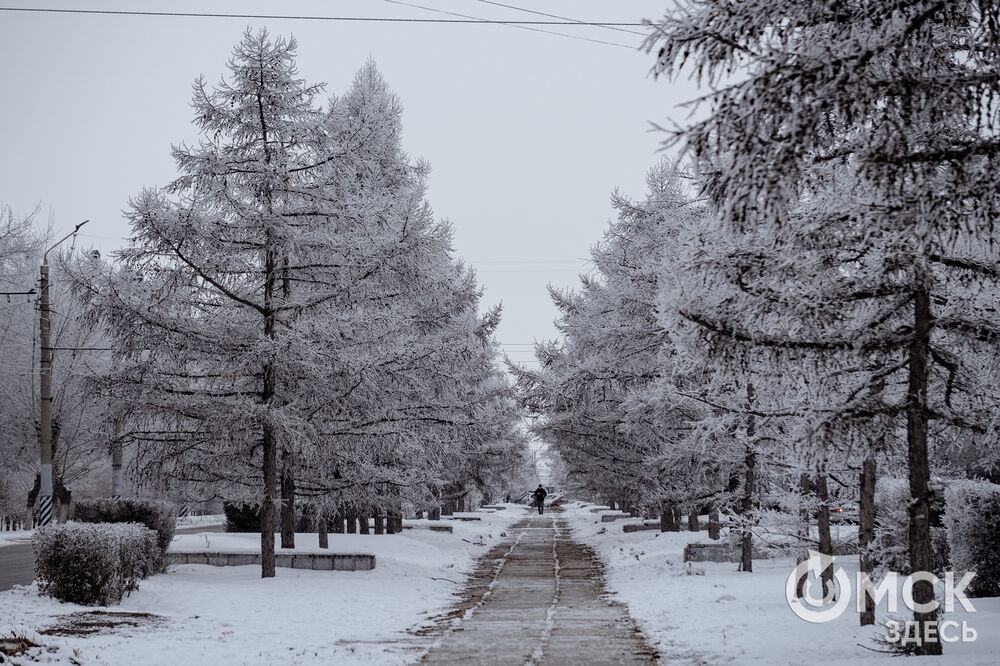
{"points": [[973, 522], [161, 517], [891, 546], [94, 563]]}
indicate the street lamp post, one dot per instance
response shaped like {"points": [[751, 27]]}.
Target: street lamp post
{"points": [[45, 387]]}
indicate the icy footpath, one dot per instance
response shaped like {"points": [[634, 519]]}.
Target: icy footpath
{"points": [[222, 615], [538, 598], [709, 612]]}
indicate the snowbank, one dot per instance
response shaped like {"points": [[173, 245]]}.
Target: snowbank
{"points": [[711, 613], [231, 615], [201, 521], [12, 537]]}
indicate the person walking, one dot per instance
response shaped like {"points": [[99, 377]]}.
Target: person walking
{"points": [[539, 496]]}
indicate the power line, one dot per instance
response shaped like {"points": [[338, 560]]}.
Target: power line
{"points": [[529, 270], [534, 261], [306, 17], [526, 25], [556, 16]]}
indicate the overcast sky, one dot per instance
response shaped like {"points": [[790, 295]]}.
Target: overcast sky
{"points": [[527, 133]]}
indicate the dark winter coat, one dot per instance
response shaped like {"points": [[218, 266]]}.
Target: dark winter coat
{"points": [[539, 495]]}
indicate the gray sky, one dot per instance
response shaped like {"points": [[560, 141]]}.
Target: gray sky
{"points": [[527, 133]]}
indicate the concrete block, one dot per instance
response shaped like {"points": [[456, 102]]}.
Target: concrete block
{"points": [[441, 528], [611, 517], [718, 552], [643, 527], [315, 561]]}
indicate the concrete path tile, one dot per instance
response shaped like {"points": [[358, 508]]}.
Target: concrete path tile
{"points": [[539, 598]]}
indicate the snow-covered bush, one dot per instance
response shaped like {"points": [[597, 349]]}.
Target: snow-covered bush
{"points": [[161, 517], [891, 546], [972, 518], [94, 563]]}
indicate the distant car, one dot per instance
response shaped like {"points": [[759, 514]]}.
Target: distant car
{"points": [[844, 513], [558, 500]]}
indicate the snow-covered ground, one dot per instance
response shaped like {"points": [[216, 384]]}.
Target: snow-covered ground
{"points": [[213, 615], [15, 536], [197, 521], [711, 613]]}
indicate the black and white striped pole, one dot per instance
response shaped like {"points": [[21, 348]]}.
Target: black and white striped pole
{"points": [[45, 388]]}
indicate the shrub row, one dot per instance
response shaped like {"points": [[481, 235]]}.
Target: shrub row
{"points": [[161, 517], [96, 563], [965, 531], [891, 546], [242, 517], [972, 519]]}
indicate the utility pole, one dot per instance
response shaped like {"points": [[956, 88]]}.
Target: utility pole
{"points": [[45, 387]]}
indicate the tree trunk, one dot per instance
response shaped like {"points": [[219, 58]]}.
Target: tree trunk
{"points": [[823, 526], [267, 517], [269, 445], [866, 531], [714, 525], [394, 525], [746, 554], [352, 522], [338, 522], [668, 519], [287, 500], [693, 521], [434, 514], [324, 541], [918, 463], [805, 489], [363, 527], [379, 520]]}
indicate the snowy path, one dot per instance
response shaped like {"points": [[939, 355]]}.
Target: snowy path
{"points": [[539, 598]]}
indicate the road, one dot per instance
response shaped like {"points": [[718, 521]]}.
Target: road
{"points": [[17, 562]]}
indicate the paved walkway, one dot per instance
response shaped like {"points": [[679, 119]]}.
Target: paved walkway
{"points": [[539, 598]]}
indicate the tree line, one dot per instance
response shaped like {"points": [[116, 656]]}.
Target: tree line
{"points": [[810, 302], [288, 322]]}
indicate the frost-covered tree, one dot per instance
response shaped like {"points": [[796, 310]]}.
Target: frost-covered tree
{"points": [[288, 317], [589, 393], [79, 445], [201, 304], [903, 97]]}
